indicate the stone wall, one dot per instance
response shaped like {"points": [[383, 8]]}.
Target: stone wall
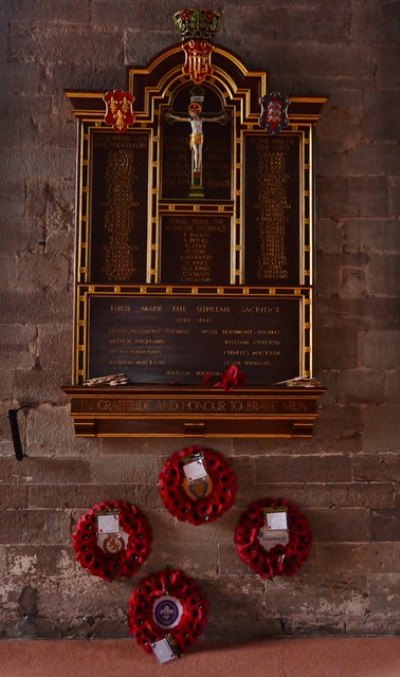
{"points": [[346, 478]]}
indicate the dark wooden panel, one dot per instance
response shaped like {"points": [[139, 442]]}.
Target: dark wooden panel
{"points": [[119, 207], [272, 210], [195, 249], [176, 340]]}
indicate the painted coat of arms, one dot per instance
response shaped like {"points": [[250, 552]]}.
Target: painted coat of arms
{"points": [[274, 115], [119, 109]]}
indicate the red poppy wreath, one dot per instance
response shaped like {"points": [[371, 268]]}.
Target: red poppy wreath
{"points": [[113, 555], [167, 604], [203, 496], [280, 559]]}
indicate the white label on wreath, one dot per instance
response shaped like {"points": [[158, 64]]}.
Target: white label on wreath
{"points": [[195, 470], [277, 521], [163, 651], [275, 528], [167, 611], [108, 523]]}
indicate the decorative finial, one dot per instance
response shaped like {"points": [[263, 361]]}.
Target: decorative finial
{"points": [[197, 24]]}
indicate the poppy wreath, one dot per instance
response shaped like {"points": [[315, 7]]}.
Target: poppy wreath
{"points": [[126, 561], [280, 560], [209, 508], [167, 604]]}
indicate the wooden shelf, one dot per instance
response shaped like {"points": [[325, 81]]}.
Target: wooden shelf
{"points": [[190, 411]]}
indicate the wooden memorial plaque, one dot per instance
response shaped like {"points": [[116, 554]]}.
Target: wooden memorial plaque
{"points": [[193, 253]]}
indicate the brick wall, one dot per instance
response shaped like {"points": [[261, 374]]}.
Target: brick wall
{"points": [[346, 478]]}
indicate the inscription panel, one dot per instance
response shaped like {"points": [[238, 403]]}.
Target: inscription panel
{"points": [[197, 405], [119, 207], [272, 210], [195, 249], [176, 340]]}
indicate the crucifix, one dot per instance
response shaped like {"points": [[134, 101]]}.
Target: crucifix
{"points": [[196, 118]]}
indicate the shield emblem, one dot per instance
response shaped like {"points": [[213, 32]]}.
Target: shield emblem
{"points": [[119, 112], [197, 60], [198, 488], [273, 115], [113, 544], [196, 480]]}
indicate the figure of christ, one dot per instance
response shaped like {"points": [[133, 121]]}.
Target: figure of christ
{"points": [[196, 138]]}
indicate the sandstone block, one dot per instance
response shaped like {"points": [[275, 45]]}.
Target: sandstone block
{"points": [[13, 497], [49, 43], [392, 385], [18, 346], [34, 527], [335, 348], [38, 271], [8, 276], [21, 234], [353, 196], [329, 468], [381, 155], [336, 273], [338, 559], [384, 593], [38, 385], [54, 345], [329, 65], [353, 282], [135, 469], [21, 81], [133, 15], [372, 235], [361, 313], [381, 121], [44, 471], [376, 467], [379, 21], [45, 165], [6, 384], [380, 349], [84, 496], [385, 524], [320, 598], [341, 525], [323, 495], [382, 275], [329, 236], [46, 10], [12, 196], [394, 196], [304, 23], [44, 306], [142, 45], [49, 431], [381, 428], [192, 559], [361, 386], [388, 76], [229, 561]]}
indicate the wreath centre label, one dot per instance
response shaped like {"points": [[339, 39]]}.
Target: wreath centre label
{"points": [[167, 611]]}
